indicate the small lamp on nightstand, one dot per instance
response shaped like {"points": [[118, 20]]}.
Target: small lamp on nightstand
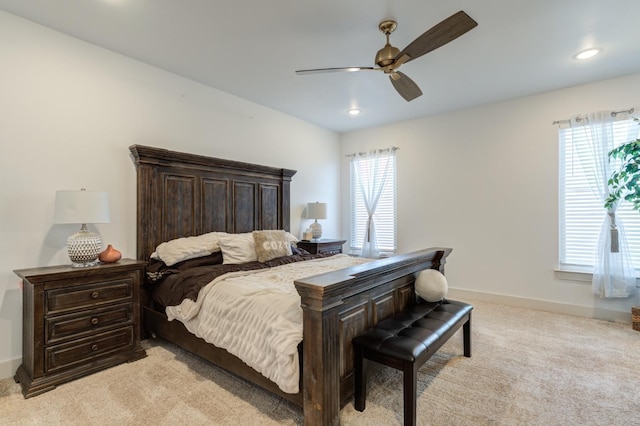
{"points": [[82, 207], [316, 211]]}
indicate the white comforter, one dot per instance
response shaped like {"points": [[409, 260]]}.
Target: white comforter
{"points": [[256, 316]]}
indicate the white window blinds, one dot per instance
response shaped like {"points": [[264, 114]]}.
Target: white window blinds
{"points": [[385, 215], [582, 211]]}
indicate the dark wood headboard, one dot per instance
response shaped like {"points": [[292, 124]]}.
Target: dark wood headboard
{"points": [[181, 195]]}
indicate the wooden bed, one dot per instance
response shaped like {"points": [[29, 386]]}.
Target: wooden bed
{"points": [[181, 194]]}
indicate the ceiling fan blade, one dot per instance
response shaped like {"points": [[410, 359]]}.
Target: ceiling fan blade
{"points": [[407, 88], [439, 35], [326, 70]]}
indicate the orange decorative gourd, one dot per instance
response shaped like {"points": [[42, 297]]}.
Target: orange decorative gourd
{"points": [[110, 255]]}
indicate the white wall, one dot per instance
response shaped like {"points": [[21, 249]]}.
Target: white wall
{"points": [[68, 113], [484, 181]]}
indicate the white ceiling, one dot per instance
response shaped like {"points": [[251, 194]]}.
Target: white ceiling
{"points": [[251, 48]]}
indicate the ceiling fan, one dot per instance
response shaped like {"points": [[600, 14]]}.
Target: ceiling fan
{"points": [[389, 58]]}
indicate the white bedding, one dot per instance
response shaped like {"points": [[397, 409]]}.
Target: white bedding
{"points": [[256, 316]]}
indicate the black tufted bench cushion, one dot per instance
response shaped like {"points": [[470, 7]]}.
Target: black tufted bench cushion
{"points": [[406, 341]]}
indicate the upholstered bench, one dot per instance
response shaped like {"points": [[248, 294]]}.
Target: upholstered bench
{"points": [[406, 341]]}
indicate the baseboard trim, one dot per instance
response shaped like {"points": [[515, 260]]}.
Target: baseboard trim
{"points": [[9, 368], [542, 305]]}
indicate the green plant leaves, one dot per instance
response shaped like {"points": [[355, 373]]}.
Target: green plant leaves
{"points": [[623, 183]]}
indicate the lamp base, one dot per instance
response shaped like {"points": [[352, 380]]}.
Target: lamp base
{"points": [[84, 264], [84, 248], [316, 230]]}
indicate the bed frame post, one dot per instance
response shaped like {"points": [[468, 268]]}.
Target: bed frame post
{"points": [[321, 377]]}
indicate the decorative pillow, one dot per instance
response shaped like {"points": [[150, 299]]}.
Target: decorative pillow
{"points": [[271, 244], [174, 251], [431, 285], [237, 248]]}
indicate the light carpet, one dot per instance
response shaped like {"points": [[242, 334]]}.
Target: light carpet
{"points": [[528, 368]]}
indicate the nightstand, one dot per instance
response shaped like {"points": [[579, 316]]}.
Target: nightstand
{"points": [[322, 245], [77, 321]]}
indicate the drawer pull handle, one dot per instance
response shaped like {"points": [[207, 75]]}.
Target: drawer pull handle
{"points": [[94, 347], [95, 295], [94, 321]]}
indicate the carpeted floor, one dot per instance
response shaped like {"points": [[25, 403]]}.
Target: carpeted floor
{"points": [[528, 368]]}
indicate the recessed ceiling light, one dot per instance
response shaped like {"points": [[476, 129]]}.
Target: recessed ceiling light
{"points": [[354, 111], [585, 54]]}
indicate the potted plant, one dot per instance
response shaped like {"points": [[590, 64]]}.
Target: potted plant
{"points": [[623, 184]]}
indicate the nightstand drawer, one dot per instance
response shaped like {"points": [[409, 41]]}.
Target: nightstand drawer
{"points": [[82, 351], [79, 297], [74, 325], [330, 250]]}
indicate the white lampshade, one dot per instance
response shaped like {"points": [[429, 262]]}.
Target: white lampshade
{"points": [[317, 210], [82, 207]]}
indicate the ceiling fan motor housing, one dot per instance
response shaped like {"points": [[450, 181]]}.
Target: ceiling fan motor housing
{"points": [[386, 55]]}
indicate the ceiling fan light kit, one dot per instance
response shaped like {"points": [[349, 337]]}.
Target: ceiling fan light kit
{"points": [[390, 58]]}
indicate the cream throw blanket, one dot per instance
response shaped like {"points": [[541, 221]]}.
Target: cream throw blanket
{"points": [[256, 315]]}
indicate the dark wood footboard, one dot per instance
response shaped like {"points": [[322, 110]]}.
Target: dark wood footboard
{"points": [[339, 305]]}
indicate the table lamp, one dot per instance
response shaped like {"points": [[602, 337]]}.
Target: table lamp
{"points": [[316, 211], [82, 207]]}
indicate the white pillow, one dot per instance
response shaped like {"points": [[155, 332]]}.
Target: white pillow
{"points": [[431, 285], [174, 251], [237, 248]]}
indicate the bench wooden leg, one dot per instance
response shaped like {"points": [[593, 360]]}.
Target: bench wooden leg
{"points": [[410, 377], [360, 379], [466, 330]]}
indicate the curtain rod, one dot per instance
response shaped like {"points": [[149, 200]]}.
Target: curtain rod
{"points": [[393, 148], [613, 114]]}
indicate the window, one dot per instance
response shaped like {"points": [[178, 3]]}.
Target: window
{"points": [[371, 168], [581, 211]]}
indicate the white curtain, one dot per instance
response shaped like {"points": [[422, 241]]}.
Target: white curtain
{"points": [[593, 138], [371, 171]]}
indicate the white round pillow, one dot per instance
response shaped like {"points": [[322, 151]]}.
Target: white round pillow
{"points": [[431, 285]]}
